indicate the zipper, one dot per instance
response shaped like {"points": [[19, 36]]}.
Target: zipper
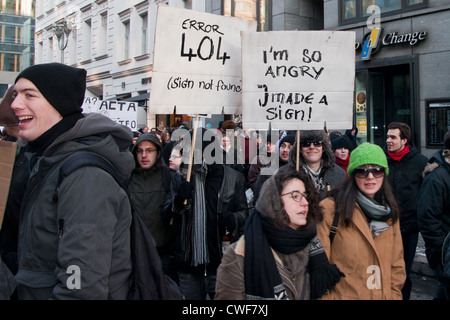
{"points": [[60, 234], [442, 249], [60, 228]]}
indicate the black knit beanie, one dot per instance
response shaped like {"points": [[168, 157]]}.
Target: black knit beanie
{"points": [[63, 86], [288, 138]]}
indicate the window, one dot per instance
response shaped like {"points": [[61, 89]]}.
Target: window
{"points": [[10, 62], [356, 10], [144, 30], [10, 34], [103, 34], [73, 47], [258, 10], [126, 40], [87, 33]]}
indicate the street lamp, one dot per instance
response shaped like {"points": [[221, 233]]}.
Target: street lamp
{"points": [[62, 31]]}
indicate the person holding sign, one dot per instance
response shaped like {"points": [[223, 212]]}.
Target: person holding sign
{"points": [[360, 231], [279, 256], [317, 159], [74, 240], [202, 210]]}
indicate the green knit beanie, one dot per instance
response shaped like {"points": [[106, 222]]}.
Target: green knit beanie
{"points": [[367, 153]]}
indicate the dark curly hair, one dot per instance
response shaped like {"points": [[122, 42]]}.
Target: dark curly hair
{"points": [[282, 177]]}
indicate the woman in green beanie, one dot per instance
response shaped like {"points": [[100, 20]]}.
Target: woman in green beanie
{"points": [[360, 230]]}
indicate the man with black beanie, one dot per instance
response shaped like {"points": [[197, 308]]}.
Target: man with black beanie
{"points": [[77, 247]]}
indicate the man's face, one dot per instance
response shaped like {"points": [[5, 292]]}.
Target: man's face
{"points": [[36, 115], [226, 142], [394, 142], [312, 152], [284, 151], [146, 154]]}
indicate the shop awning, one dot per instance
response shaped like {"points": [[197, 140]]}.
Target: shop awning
{"points": [[141, 99]]}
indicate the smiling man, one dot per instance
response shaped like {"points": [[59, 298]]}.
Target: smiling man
{"points": [[317, 159], [77, 247], [406, 165]]}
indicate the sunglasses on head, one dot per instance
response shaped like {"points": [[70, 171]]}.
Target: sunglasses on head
{"points": [[363, 173], [306, 144]]}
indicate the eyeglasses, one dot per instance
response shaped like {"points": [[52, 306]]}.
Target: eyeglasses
{"points": [[141, 151], [363, 173], [296, 195], [306, 144]]}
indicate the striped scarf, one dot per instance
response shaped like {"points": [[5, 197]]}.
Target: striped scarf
{"points": [[200, 253]]}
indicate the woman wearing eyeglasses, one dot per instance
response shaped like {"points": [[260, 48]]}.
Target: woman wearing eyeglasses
{"points": [[279, 256], [360, 230]]}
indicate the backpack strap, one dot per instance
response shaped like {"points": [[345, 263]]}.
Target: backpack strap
{"points": [[334, 226], [84, 159]]}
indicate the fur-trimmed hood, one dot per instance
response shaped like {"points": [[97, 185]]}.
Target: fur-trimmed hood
{"points": [[269, 202], [440, 158]]}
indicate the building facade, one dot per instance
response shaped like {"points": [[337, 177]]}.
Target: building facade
{"points": [[113, 40], [16, 39], [404, 75]]}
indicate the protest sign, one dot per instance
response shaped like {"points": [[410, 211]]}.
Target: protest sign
{"points": [[298, 79], [197, 62], [7, 156], [123, 112]]}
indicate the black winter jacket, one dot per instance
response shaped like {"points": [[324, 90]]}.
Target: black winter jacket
{"points": [[231, 201], [405, 177], [433, 207]]}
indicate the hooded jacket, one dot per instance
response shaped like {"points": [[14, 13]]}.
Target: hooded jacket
{"points": [[405, 177], [292, 268], [433, 206], [78, 248], [331, 174], [148, 189]]}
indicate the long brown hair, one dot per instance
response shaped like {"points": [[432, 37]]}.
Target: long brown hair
{"points": [[345, 199]]}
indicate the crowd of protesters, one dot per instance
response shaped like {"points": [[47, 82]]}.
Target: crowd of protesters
{"points": [[318, 218]]}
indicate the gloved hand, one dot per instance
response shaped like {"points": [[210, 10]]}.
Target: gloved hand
{"points": [[185, 191], [226, 221]]}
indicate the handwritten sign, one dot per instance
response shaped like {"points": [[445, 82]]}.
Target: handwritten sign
{"points": [[197, 62], [123, 112], [298, 79]]}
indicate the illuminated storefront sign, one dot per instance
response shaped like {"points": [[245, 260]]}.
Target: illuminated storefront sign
{"points": [[374, 40]]}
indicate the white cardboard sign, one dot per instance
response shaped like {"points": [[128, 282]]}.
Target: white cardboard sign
{"points": [[297, 80], [123, 112], [197, 62]]}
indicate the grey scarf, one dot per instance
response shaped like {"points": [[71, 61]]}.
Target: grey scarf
{"points": [[316, 176], [376, 213]]}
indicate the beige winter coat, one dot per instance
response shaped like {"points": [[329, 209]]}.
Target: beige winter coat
{"points": [[374, 267], [230, 283]]}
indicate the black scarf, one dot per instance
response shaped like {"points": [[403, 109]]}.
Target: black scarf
{"points": [[262, 279], [37, 147]]}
